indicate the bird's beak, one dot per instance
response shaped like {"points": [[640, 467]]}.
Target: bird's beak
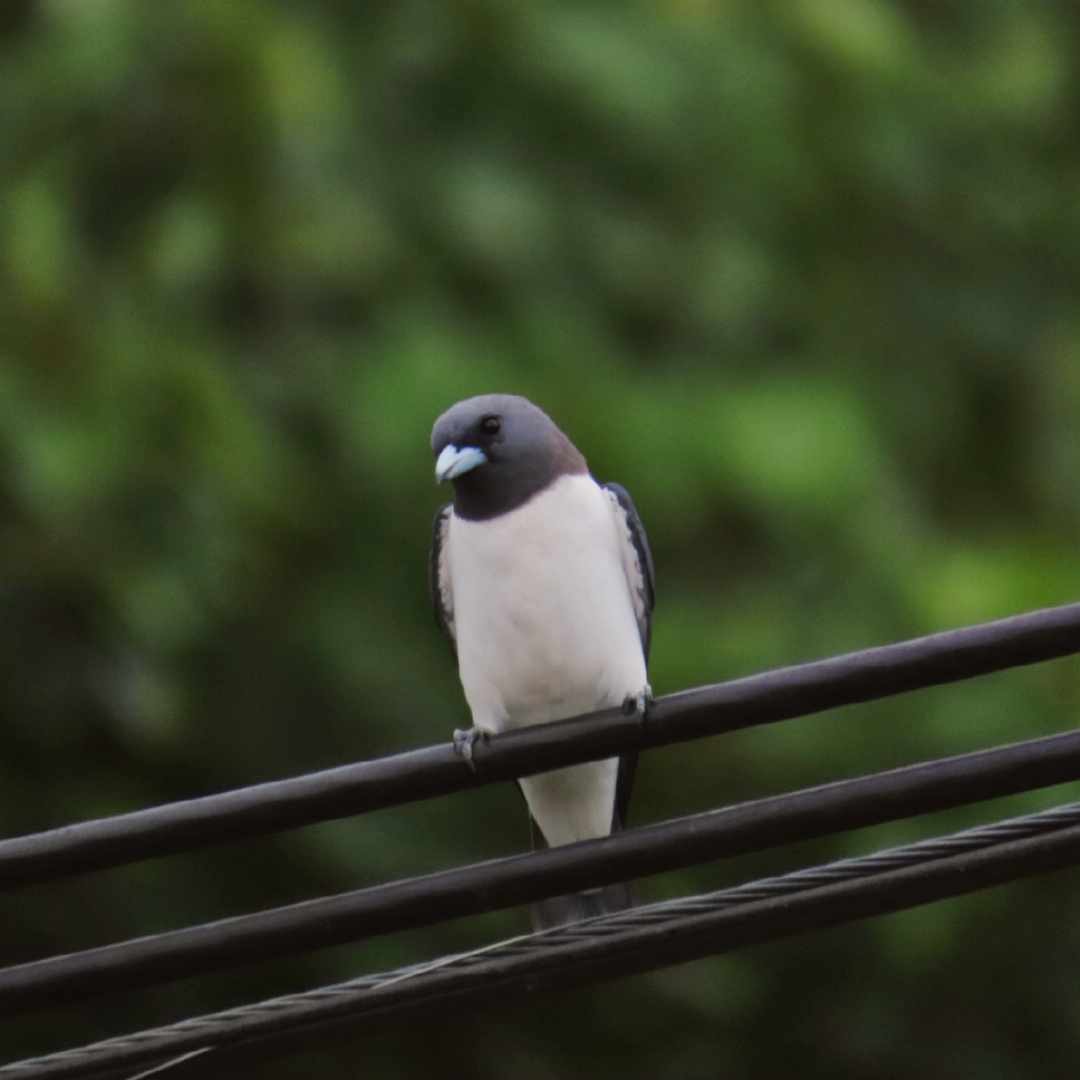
{"points": [[454, 462]]}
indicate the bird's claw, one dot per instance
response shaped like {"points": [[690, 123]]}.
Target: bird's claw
{"points": [[464, 741], [638, 703]]}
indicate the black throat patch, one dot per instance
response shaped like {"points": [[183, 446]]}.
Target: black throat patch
{"points": [[503, 485]]}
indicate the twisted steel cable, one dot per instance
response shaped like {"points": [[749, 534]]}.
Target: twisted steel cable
{"points": [[647, 937]]}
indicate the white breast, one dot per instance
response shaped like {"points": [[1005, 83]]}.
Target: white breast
{"points": [[545, 629], [543, 614]]}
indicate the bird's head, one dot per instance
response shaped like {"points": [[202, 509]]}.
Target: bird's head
{"points": [[499, 450]]}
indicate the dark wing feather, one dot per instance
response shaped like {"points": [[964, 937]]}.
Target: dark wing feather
{"points": [[641, 579], [624, 785], [638, 562], [442, 595]]}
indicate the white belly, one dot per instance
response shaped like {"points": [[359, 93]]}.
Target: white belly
{"points": [[545, 629]]}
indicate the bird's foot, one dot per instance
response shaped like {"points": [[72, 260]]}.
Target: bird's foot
{"points": [[638, 703], [464, 741]]}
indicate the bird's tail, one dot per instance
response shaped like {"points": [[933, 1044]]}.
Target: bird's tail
{"points": [[574, 907]]}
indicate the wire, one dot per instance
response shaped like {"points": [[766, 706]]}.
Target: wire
{"points": [[420, 901], [634, 941], [436, 770]]}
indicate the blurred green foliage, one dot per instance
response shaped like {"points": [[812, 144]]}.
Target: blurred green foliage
{"points": [[803, 275]]}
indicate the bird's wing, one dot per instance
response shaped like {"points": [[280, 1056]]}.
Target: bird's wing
{"points": [[442, 593], [637, 563], [637, 560]]}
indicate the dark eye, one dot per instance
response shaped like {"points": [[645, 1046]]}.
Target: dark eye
{"points": [[490, 425]]}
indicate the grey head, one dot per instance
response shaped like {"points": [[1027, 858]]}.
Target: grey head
{"points": [[499, 450]]}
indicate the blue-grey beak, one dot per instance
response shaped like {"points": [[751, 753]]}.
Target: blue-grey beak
{"points": [[454, 462]]}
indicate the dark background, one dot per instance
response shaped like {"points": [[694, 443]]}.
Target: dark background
{"points": [[802, 275]]}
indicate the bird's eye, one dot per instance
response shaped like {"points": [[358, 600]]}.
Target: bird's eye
{"points": [[490, 425]]}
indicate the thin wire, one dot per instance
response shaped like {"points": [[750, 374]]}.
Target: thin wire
{"points": [[436, 770], [156, 1069], [907, 875], [752, 826]]}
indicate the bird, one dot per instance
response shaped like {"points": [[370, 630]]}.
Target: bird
{"points": [[543, 581]]}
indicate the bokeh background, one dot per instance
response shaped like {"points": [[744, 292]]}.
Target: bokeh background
{"points": [[803, 275]]}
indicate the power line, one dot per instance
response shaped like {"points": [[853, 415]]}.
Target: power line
{"points": [[629, 942], [436, 770], [507, 882]]}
